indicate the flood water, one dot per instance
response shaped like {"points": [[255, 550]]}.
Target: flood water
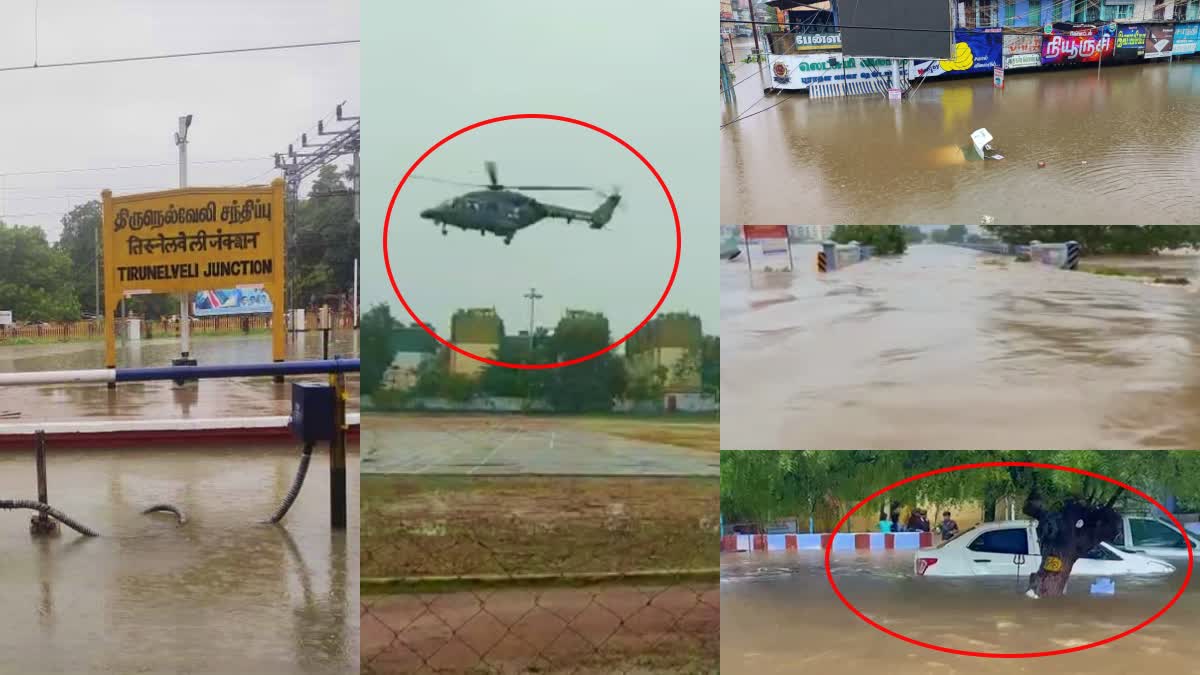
{"points": [[1120, 147], [946, 348], [220, 594], [242, 397], [779, 615]]}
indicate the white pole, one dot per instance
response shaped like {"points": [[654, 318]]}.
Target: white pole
{"points": [[185, 329]]}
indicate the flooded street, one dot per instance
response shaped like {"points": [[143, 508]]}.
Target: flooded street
{"points": [[162, 399], [1119, 147], [219, 594], [779, 615], [949, 348]]}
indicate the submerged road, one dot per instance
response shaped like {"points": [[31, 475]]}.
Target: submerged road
{"points": [[233, 397], [513, 444], [778, 615], [1120, 145], [947, 348]]}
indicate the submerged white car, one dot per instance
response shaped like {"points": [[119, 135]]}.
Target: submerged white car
{"points": [[1011, 547], [1156, 538]]}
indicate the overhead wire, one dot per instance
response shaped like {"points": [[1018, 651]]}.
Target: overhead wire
{"points": [[178, 55]]}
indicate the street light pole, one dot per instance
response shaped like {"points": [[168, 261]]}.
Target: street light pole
{"points": [[185, 328], [533, 297]]}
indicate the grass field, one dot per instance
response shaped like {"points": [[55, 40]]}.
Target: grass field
{"points": [[450, 526]]}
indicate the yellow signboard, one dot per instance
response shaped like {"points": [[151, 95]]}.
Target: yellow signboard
{"points": [[192, 239]]}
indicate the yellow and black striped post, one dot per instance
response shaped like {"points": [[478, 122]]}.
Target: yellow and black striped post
{"points": [[821, 263]]}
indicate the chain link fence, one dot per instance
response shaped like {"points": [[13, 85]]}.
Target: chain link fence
{"points": [[523, 574]]}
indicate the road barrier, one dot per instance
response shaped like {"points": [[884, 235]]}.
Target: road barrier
{"points": [[1064, 255], [833, 256], [844, 541]]}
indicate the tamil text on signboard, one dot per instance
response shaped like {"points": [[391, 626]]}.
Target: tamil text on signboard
{"points": [[1083, 46], [188, 240]]}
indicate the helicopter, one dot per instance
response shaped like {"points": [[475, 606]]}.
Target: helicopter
{"points": [[501, 210]]}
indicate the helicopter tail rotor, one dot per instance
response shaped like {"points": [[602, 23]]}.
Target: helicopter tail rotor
{"points": [[604, 212]]}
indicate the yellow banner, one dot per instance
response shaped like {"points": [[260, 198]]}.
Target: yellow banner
{"points": [[193, 239]]}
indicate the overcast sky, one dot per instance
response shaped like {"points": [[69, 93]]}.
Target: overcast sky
{"points": [[243, 105], [644, 87]]}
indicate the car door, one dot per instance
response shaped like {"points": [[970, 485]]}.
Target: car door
{"points": [[999, 551], [1156, 539]]}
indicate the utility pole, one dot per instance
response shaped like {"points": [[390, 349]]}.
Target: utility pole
{"points": [[533, 297], [754, 27], [185, 328]]}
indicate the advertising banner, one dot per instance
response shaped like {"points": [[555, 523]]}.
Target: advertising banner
{"points": [[758, 232], [223, 302], [1131, 43], [187, 240], [1159, 40], [974, 52], [808, 42], [799, 71], [1187, 35], [1022, 51], [1081, 46]]}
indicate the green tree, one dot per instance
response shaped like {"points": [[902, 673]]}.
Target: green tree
{"points": [[1074, 512], [516, 382], [887, 239], [1099, 239], [913, 234], [589, 386], [78, 241], [710, 366], [35, 279], [325, 242], [378, 349]]}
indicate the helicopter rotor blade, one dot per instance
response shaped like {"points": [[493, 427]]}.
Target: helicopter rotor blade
{"points": [[448, 182], [550, 187], [491, 172]]}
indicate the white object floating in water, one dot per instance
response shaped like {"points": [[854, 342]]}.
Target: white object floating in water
{"points": [[1104, 586], [981, 138]]}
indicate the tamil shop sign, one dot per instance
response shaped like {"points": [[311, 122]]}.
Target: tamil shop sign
{"points": [[817, 41], [800, 71], [1131, 43], [1187, 37], [1022, 51], [974, 52], [1159, 39], [188, 240], [1082, 46]]}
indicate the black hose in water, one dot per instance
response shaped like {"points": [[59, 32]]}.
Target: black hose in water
{"points": [[50, 511], [294, 492], [167, 508]]}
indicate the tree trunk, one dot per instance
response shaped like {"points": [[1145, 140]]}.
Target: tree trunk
{"points": [[1066, 534]]}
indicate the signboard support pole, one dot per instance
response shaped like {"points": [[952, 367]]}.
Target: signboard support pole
{"points": [[746, 241], [337, 454], [185, 325], [791, 263]]}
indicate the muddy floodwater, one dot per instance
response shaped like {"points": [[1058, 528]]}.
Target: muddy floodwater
{"points": [[779, 615], [947, 348], [243, 397], [1121, 146], [221, 594]]}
